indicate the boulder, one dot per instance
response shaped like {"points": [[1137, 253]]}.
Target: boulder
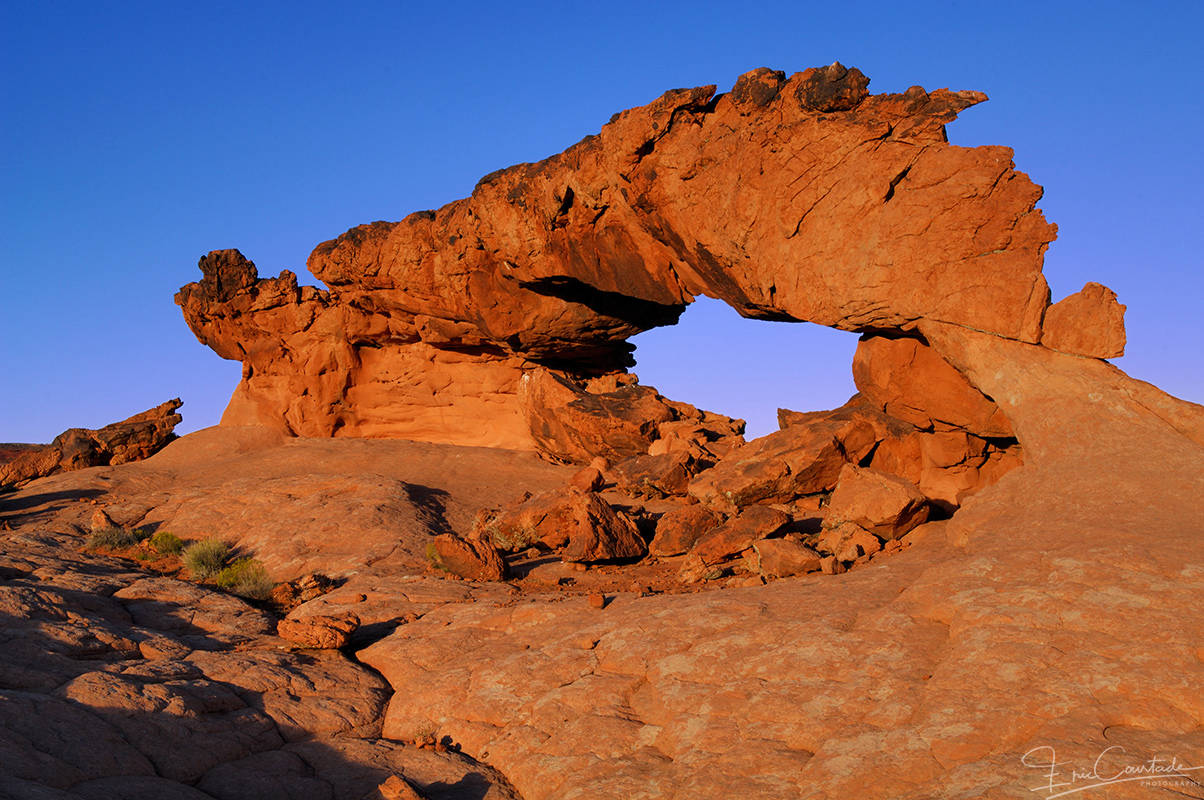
{"points": [[883, 504], [908, 380], [1089, 322], [319, 631], [677, 530], [847, 542], [287, 595], [588, 479], [946, 466], [738, 534], [577, 421], [573, 425], [581, 525], [101, 521], [801, 459], [781, 558], [474, 559], [664, 475]]}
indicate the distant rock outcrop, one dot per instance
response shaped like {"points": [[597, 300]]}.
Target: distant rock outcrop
{"points": [[133, 439]]}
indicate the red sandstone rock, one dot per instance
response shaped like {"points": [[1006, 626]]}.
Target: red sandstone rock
{"points": [[398, 788], [319, 631], [133, 439], [101, 521], [474, 559], [1088, 323], [946, 466], [432, 322], [587, 479], [1035, 633], [289, 594], [571, 423], [582, 525], [883, 504], [910, 381], [804, 458], [781, 558], [677, 530], [738, 533], [847, 542], [663, 475]]}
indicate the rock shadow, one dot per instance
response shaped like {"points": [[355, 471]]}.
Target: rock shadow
{"points": [[432, 506], [85, 714]]}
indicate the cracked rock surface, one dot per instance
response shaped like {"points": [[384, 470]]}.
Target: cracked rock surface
{"points": [[116, 684]]}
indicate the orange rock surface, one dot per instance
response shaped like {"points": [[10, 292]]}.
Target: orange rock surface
{"points": [[798, 629], [1087, 323], [824, 203]]}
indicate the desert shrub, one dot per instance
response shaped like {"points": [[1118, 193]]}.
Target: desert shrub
{"points": [[246, 577], [206, 558], [167, 543], [115, 538]]}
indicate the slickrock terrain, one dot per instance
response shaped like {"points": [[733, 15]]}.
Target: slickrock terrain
{"points": [[505, 568]]}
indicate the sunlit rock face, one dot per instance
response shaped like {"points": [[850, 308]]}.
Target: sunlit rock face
{"points": [[791, 198]]}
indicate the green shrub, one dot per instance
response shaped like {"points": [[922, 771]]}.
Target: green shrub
{"points": [[246, 577], [167, 543], [114, 538], [206, 558], [432, 555]]}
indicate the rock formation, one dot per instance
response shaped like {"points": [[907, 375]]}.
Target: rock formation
{"points": [[691, 615], [138, 437], [823, 203], [502, 319]]}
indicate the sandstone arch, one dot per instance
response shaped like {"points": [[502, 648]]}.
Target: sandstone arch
{"points": [[791, 198]]}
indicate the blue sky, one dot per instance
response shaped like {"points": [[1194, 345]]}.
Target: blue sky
{"points": [[138, 136]]}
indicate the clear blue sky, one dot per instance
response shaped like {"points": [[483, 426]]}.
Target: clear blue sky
{"points": [[138, 136]]}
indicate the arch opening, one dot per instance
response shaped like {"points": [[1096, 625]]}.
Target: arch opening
{"points": [[716, 359]]}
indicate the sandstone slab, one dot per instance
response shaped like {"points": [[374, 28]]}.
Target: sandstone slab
{"points": [[883, 504], [679, 529], [801, 459], [738, 533], [910, 381]]}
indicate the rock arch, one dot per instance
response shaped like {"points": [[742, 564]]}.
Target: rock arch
{"points": [[502, 319]]}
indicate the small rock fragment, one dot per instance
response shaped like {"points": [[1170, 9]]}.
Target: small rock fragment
{"points": [[398, 788], [101, 521]]}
